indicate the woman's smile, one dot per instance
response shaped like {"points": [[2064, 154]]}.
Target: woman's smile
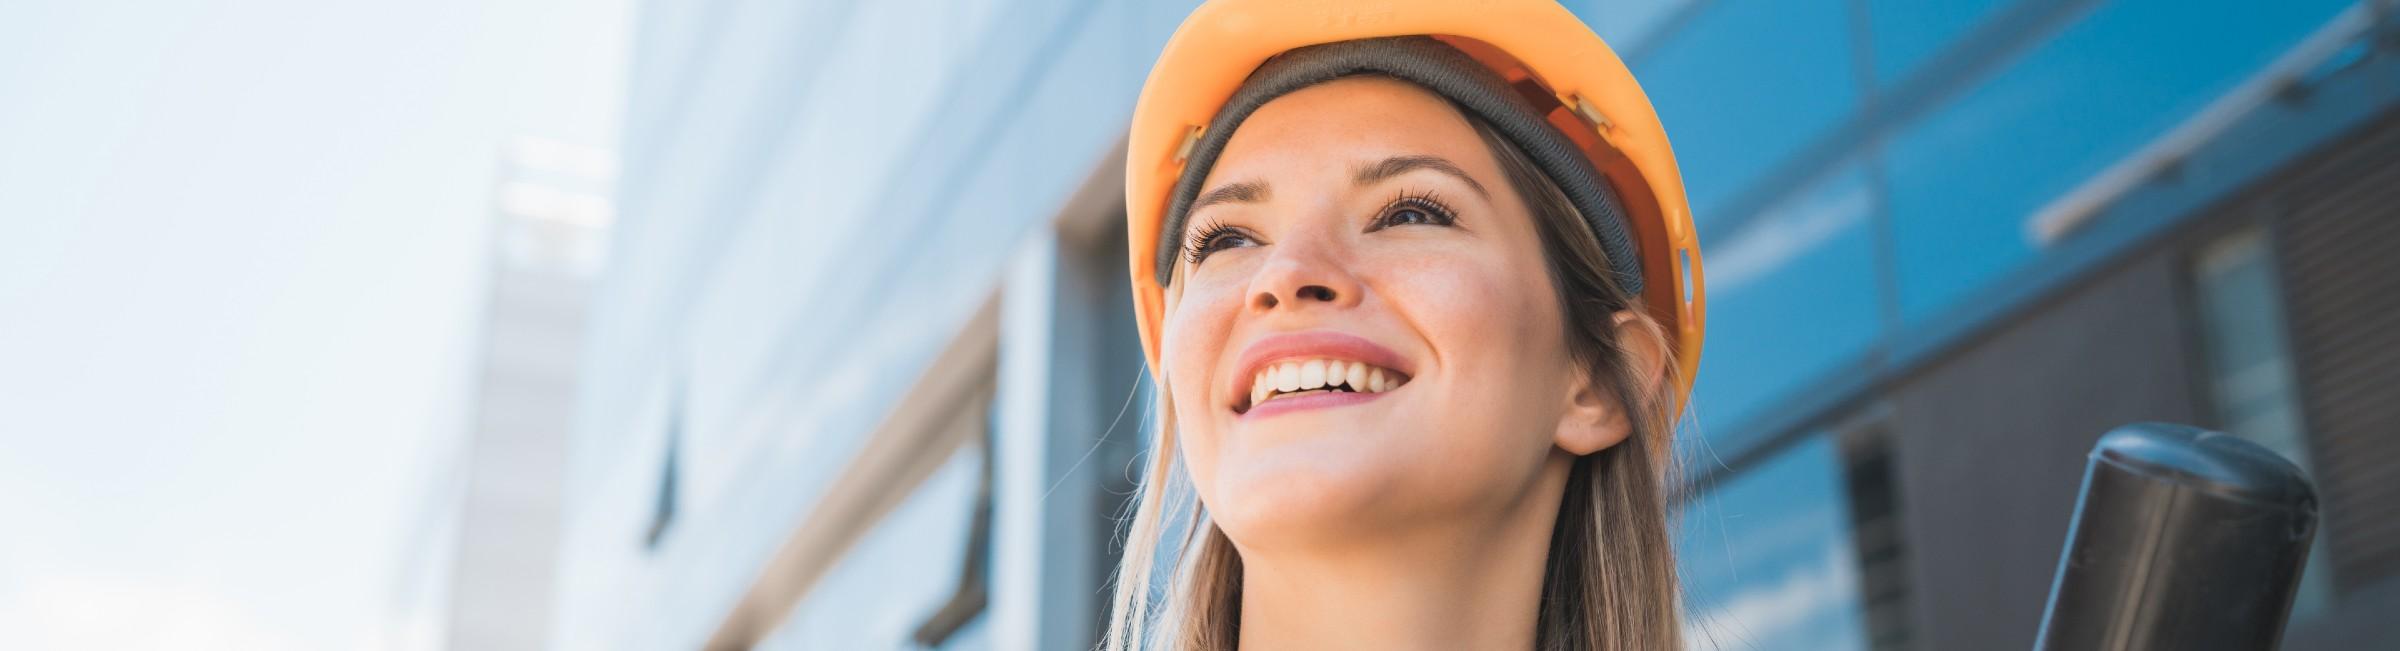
{"points": [[1311, 370]]}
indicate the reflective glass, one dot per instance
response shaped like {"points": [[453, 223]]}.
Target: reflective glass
{"points": [[1625, 23], [1791, 296], [1965, 179], [905, 568], [1744, 85], [1904, 33], [1767, 560]]}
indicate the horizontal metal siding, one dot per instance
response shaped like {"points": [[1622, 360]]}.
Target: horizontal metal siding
{"points": [[1991, 445], [2337, 226]]}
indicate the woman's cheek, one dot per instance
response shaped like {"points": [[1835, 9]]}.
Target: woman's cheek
{"points": [[1197, 323], [1484, 320], [1459, 301]]}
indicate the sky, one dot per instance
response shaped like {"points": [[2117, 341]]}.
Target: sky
{"points": [[242, 257]]}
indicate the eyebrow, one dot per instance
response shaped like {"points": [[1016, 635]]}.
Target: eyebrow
{"points": [[1379, 171], [1398, 165], [1243, 192]]}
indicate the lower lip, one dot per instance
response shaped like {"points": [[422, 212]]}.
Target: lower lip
{"points": [[1325, 400]]}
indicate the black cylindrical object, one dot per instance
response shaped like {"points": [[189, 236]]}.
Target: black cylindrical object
{"points": [[2183, 539]]}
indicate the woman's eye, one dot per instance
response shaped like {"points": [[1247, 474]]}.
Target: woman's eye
{"points": [[1214, 239], [1401, 216], [1414, 211]]}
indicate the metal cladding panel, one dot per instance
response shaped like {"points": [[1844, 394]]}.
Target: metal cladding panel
{"points": [[2337, 227], [1991, 444], [2019, 405]]}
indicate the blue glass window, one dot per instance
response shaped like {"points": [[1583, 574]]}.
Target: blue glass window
{"points": [[1625, 23], [1904, 33], [1767, 559], [1743, 85], [1965, 179], [1791, 295]]}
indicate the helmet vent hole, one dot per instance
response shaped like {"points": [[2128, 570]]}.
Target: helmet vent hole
{"points": [[1683, 259], [1191, 138]]}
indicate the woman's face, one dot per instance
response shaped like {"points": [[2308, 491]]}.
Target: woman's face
{"points": [[1364, 335]]}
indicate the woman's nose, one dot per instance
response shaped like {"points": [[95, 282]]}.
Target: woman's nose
{"points": [[1303, 273]]}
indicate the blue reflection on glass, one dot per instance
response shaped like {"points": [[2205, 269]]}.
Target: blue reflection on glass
{"points": [[1904, 33], [1767, 559], [1625, 23], [1964, 180], [1791, 295], [1746, 84], [878, 593]]}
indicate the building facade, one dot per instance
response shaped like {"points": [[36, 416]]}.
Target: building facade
{"points": [[481, 567], [862, 372]]}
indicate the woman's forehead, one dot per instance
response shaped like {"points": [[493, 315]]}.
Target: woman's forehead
{"points": [[1351, 121]]}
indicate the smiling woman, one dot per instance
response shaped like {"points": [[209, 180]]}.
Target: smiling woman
{"points": [[1419, 313]]}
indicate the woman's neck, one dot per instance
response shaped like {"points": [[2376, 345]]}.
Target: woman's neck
{"points": [[1474, 586]]}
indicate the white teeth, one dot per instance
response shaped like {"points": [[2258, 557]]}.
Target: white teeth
{"points": [[1309, 375]]}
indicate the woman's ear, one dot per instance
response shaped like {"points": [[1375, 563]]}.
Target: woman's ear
{"points": [[1594, 418]]}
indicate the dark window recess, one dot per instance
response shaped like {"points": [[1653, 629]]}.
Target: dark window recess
{"points": [[662, 512], [2336, 226], [2249, 377], [1875, 529], [974, 573]]}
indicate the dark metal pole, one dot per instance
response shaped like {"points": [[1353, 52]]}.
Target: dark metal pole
{"points": [[2183, 539]]}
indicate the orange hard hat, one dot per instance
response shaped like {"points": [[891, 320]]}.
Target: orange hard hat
{"points": [[1536, 47]]}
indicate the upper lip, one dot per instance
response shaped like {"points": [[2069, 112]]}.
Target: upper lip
{"points": [[1315, 344]]}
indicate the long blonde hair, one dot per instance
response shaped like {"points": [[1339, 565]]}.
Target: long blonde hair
{"points": [[1609, 583]]}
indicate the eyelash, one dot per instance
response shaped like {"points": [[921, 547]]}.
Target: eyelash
{"points": [[1204, 240], [1208, 237], [1436, 212]]}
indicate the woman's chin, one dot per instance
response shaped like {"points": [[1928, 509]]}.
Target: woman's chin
{"points": [[1300, 494]]}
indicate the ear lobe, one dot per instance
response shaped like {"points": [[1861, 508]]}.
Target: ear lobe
{"points": [[1595, 419]]}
